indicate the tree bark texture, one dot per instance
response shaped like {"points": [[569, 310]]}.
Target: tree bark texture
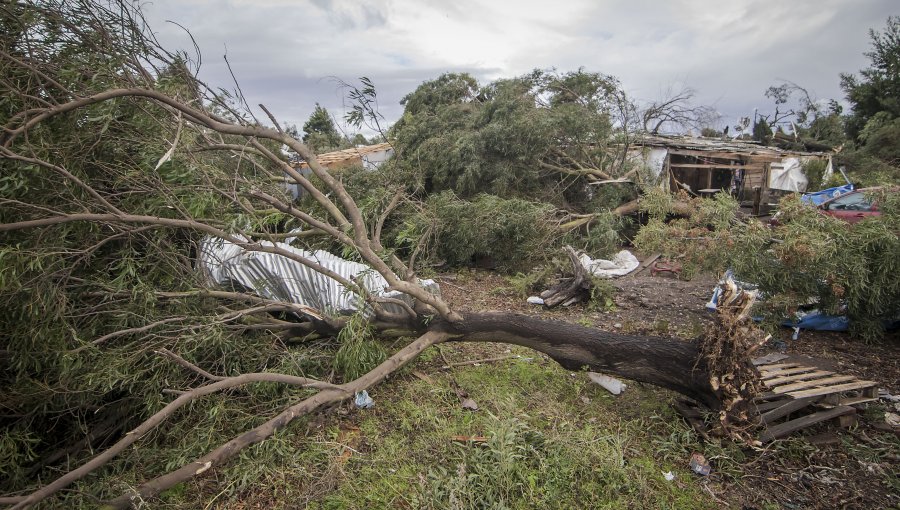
{"points": [[666, 362]]}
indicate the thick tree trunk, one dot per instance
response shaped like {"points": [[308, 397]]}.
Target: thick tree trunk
{"points": [[666, 362]]}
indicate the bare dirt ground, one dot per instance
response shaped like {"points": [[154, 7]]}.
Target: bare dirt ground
{"points": [[822, 467]]}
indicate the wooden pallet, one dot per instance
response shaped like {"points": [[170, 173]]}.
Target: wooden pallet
{"points": [[798, 397], [805, 395], [800, 381]]}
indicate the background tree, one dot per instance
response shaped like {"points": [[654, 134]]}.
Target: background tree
{"points": [[676, 112], [877, 89], [319, 131], [874, 120]]}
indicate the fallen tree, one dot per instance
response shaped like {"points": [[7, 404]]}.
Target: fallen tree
{"points": [[117, 163]]}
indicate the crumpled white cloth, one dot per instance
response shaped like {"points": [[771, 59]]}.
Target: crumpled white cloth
{"points": [[621, 264]]}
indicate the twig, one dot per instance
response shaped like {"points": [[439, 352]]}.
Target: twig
{"points": [[188, 365], [477, 361]]}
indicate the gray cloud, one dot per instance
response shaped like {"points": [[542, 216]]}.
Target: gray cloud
{"points": [[284, 51]]}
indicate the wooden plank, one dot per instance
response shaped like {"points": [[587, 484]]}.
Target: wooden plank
{"points": [[789, 427], [777, 366], [645, 264], [768, 406], [855, 400], [790, 407], [787, 371], [712, 153], [813, 383], [797, 377], [832, 389], [713, 166], [768, 358], [768, 396]]}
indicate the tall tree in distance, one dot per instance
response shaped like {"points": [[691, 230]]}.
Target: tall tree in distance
{"points": [[875, 94], [319, 131]]}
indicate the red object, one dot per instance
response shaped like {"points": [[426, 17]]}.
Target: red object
{"points": [[851, 207], [665, 266]]}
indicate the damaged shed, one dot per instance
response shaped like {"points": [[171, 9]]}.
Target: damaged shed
{"points": [[705, 166], [369, 157]]}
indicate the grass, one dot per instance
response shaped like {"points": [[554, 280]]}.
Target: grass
{"points": [[547, 438], [553, 440]]}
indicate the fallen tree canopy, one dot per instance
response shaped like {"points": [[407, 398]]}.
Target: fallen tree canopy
{"points": [[117, 164], [808, 259]]}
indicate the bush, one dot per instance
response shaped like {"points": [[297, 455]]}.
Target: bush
{"points": [[513, 233]]}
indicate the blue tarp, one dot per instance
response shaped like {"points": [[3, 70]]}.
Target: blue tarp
{"points": [[826, 194], [818, 321], [812, 319]]}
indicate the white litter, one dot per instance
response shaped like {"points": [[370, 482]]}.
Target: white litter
{"points": [[534, 300], [669, 476], [621, 264], [892, 419], [610, 384]]}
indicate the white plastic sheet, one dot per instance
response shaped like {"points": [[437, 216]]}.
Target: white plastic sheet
{"points": [[788, 175], [621, 264]]}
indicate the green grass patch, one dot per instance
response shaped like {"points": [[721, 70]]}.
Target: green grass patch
{"points": [[552, 440]]}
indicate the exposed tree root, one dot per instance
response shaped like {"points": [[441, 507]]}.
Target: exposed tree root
{"points": [[726, 349]]}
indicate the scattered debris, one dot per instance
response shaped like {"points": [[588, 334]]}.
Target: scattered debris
{"points": [[773, 357], [363, 400], [464, 401], [423, 376], [665, 266], [577, 288], [611, 384], [535, 300], [645, 264], [469, 439], [468, 403], [892, 419], [477, 362], [884, 394], [699, 464], [669, 476]]}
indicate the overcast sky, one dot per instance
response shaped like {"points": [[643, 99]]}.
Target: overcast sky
{"points": [[287, 53]]}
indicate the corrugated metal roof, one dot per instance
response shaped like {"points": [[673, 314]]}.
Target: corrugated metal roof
{"points": [[716, 144], [277, 277], [346, 157]]}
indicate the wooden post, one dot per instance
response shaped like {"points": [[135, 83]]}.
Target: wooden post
{"points": [[757, 199]]}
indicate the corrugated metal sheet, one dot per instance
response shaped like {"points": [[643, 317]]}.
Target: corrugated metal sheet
{"points": [[280, 278]]}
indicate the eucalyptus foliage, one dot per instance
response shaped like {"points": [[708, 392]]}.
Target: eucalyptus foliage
{"points": [[538, 136], [78, 357], [808, 258]]}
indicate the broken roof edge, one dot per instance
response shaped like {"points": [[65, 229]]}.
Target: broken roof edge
{"points": [[715, 144], [343, 155]]}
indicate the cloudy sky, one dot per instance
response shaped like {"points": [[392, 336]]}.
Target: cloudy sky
{"points": [[287, 54]]}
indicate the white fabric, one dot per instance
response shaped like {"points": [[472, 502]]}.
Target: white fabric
{"points": [[621, 264], [788, 175]]}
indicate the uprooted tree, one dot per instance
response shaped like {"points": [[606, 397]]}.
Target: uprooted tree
{"points": [[117, 162]]}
